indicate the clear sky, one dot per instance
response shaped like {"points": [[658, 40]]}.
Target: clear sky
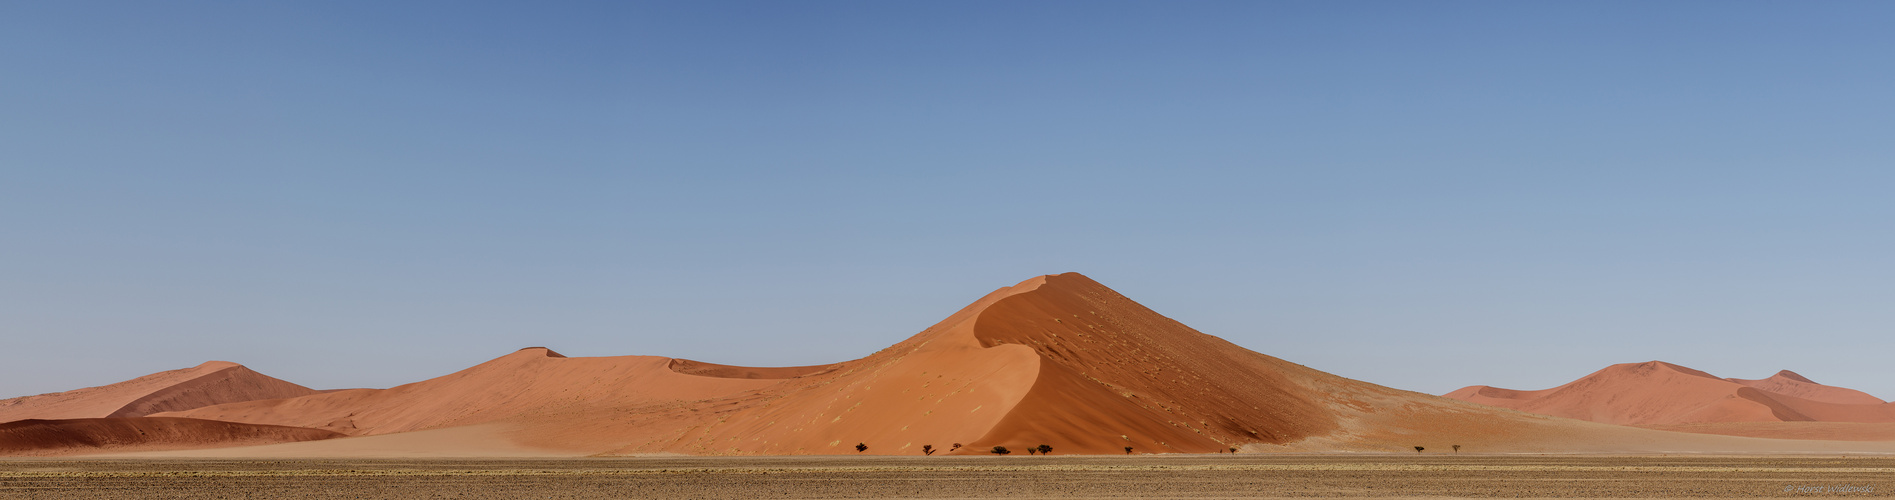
{"points": [[1423, 195]]}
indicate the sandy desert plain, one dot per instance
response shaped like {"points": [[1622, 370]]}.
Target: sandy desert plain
{"points": [[1130, 403]]}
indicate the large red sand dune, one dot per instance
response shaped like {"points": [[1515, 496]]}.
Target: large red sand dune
{"points": [[35, 437], [1057, 360], [211, 383], [1675, 397]]}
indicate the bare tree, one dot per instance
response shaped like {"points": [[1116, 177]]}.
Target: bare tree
{"points": [[927, 449]]}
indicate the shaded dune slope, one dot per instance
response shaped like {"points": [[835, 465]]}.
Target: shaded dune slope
{"points": [[1113, 373], [211, 383], [36, 437]]}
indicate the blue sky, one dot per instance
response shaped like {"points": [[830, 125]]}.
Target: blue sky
{"points": [[1424, 195]]}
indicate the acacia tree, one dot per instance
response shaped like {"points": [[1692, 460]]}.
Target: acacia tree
{"points": [[861, 447], [956, 447], [1457, 448], [1233, 449], [1128, 450], [1001, 450], [1044, 449], [1418, 449], [927, 449]]}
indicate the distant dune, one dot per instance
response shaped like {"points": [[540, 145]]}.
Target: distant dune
{"points": [[211, 383], [1057, 360], [1663, 395]]}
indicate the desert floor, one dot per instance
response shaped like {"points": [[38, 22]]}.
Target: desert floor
{"points": [[1185, 476]]}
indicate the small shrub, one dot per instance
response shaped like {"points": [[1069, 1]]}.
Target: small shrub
{"points": [[861, 447], [1044, 449], [1001, 450], [927, 449]]}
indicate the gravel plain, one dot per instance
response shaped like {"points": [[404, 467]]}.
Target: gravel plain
{"points": [[1161, 476]]}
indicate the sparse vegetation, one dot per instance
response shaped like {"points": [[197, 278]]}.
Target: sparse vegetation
{"points": [[1128, 450], [1233, 449], [861, 447], [927, 449], [956, 447], [1457, 448], [1001, 450], [1044, 449], [1418, 449]]}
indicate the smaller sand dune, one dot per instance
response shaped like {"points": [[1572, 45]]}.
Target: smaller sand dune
{"points": [[34, 437], [1788, 383], [1662, 395], [534, 382], [211, 383]]}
